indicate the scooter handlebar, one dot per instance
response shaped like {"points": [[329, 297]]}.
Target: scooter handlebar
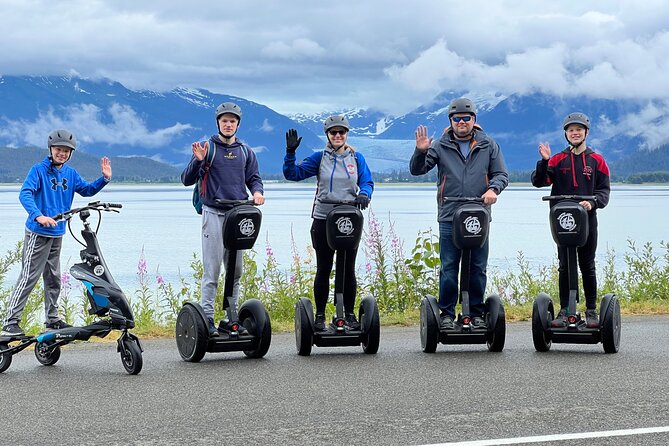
{"points": [[233, 203], [328, 201], [464, 199], [94, 205], [569, 197]]}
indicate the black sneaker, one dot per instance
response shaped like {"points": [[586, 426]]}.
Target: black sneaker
{"points": [[319, 322], [226, 325], [212, 328], [560, 320], [12, 330], [351, 322], [591, 318], [446, 322], [479, 322], [57, 325]]}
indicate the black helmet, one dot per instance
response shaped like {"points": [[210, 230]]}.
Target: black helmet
{"points": [[336, 121], [229, 107], [461, 105], [576, 118], [63, 138]]}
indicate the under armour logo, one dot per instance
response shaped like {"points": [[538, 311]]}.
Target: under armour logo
{"points": [[55, 184]]}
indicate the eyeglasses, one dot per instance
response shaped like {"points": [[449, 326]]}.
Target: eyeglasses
{"points": [[337, 132], [461, 118]]}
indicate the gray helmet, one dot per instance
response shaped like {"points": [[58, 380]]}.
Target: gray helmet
{"points": [[576, 118], [461, 105], [336, 121], [229, 107], [62, 138]]}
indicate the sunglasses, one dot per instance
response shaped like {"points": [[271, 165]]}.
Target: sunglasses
{"points": [[461, 118], [337, 132]]}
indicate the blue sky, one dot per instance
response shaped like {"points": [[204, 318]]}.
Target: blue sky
{"points": [[306, 56]]}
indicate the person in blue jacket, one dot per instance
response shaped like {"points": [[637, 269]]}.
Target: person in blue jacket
{"points": [[47, 191], [233, 170], [342, 174]]}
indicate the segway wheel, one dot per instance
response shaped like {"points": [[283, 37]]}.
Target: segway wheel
{"points": [[47, 355], [255, 319], [131, 356], [191, 334], [5, 358], [542, 314], [429, 327], [610, 323], [304, 335], [370, 322], [496, 318]]}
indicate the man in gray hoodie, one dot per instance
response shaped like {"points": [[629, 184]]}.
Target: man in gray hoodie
{"points": [[470, 164]]}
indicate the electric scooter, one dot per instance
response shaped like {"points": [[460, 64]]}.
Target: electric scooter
{"points": [[569, 227], [471, 224], [344, 225], [104, 296], [240, 231]]}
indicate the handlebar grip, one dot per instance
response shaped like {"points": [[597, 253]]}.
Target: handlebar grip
{"points": [[115, 205]]}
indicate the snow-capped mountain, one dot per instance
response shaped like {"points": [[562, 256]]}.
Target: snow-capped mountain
{"points": [[364, 121], [109, 119]]}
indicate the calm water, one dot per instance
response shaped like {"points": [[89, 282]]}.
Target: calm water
{"points": [[161, 221]]}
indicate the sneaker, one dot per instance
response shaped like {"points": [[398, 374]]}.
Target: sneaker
{"points": [[446, 322], [560, 320], [478, 322], [319, 322], [226, 325], [212, 328], [57, 325], [591, 318], [12, 330], [352, 322]]}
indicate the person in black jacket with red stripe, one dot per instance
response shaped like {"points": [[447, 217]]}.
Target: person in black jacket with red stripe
{"points": [[577, 170]]}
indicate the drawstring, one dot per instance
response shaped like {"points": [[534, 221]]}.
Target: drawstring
{"points": [[573, 170]]}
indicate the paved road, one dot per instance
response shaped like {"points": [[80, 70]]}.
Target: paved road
{"points": [[400, 396]]}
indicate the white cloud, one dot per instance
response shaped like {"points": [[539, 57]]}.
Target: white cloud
{"points": [[297, 49]]}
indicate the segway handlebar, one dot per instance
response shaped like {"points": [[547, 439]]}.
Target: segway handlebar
{"points": [[233, 203], [569, 197], [462, 199], [94, 205], [335, 202]]}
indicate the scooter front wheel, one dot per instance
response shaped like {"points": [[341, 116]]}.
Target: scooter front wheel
{"points": [[131, 357], [5, 358], [46, 354]]}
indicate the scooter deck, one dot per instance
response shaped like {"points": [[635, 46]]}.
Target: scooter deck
{"points": [[576, 334], [332, 337], [225, 342], [463, 335]]}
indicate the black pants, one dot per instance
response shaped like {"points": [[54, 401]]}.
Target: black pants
{"points": [[324, 261], [586, 263]]}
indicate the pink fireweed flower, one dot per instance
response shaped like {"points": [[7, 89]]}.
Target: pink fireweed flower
{"points": [[160, 279], [65, 280]]}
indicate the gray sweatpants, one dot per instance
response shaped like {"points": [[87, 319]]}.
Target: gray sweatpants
{"points": [[41, 257], [213, 254]]}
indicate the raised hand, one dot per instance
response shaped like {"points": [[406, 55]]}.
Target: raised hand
{"points": [[199, 150], [544, 150], [422, 141], [105, 166], [292, 141]]}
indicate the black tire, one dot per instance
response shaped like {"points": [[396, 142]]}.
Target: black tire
{"points": [[496, 335], [429, 327], [191, 334], [304, 335], [368, 314], [47, 355], [131, 357], [255, 319], [541, 335], [610, 323], [5, 358]]}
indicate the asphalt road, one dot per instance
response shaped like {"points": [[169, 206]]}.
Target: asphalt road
{"points": [[401, 396]]}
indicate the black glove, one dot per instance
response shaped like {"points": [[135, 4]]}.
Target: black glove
{"points": [[362, 201], [292, 141]]}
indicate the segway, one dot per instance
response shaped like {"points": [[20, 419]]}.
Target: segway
{"points": [[344, 225], [104, 296], [569, 227], [470, 231], [240, 231]]}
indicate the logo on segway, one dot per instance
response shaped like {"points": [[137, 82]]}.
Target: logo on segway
{"points": [[246, 227], [567, 221], [472, 225], [345, 225], [99, 270]]}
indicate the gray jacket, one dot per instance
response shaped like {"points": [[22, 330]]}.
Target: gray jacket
{"points": [[458, 176]]}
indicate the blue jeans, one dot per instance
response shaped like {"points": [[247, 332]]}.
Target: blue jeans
{"points": [[450, 257]]}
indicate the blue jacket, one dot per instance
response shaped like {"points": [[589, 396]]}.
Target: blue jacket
{"points": [[340, 177], [49, 191]]}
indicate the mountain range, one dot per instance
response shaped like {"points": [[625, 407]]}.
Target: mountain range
{"points": [[112, 120]]}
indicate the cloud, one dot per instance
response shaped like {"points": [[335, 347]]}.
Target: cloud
{"points": [[119, 125], [299, 49]]}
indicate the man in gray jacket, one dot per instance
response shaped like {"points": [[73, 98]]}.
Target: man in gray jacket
{"points": [[470, 164]]}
